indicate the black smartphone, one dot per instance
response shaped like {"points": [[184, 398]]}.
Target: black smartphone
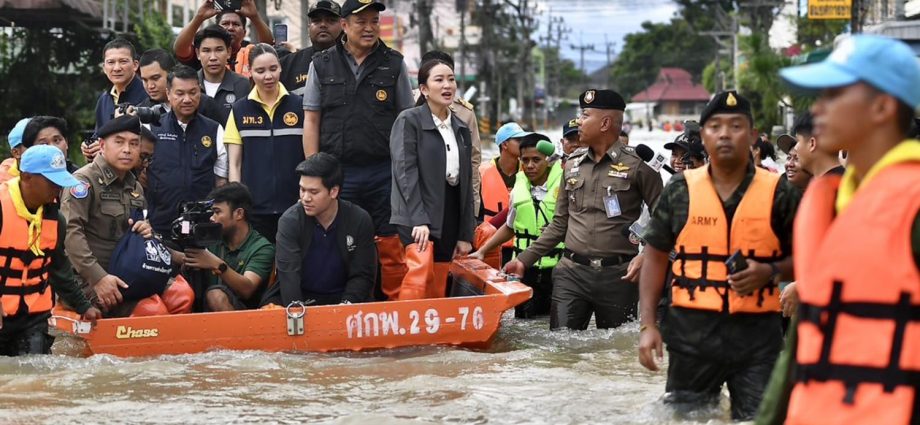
{"points": [[736, 263], [280, 33], [228, 4]]}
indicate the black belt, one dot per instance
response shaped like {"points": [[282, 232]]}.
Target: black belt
{"points": [[596, 262]]}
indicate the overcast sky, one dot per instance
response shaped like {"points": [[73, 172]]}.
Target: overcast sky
{"points": [[591, 20]]}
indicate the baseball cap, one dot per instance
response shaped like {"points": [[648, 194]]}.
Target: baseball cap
{"points": [[512, 130], [15, 136], [48, 161], [786, 142], [355, 6], [325, 6], [888, 65], [569, 127]]}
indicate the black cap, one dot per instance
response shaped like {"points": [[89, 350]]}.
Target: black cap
{"points": [[129, 123], [602, 99], [786, 142], [147, 134], [697, 150], [327, 6], [569, 127], [727, 102], [355, 6], [685, 140]]}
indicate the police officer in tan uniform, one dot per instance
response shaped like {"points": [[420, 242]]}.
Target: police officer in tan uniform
{"points": [[605, 186], [98, 211]]}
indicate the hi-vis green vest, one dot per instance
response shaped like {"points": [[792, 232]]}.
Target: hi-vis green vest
{"points": [[531, 216]]}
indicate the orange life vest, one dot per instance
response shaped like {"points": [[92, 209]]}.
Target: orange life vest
{"points": [[858, 354], [707, 240], [24, 286], [495, 195]]}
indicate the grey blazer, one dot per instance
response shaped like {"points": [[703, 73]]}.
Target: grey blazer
{"points": [[419, 160]]}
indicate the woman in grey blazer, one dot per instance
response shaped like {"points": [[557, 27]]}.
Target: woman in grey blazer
{"points": [[432, 199]]}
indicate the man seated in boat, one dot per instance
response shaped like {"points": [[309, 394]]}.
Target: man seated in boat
{"points": [[325, 251], [242, 262], [98, 212]]}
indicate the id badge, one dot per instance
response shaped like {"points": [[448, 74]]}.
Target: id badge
{"points": [[612, 206]]}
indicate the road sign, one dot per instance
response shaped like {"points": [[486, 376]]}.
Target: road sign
{"points": [[830, 9]]}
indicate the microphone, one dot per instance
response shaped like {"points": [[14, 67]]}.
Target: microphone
{"points": [[655, 160]]}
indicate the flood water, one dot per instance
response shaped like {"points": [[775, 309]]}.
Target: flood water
{"points": [[528, 375]]}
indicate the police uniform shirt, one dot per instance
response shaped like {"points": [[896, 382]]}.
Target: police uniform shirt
{"points": [[581, 219], [97, 213]]}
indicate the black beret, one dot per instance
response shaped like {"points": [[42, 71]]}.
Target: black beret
{"points": [[602, 99], [117, 125], [727, 102], [355, 6]]}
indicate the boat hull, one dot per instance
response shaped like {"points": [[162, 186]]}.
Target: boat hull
{"points": [[465, 321]]}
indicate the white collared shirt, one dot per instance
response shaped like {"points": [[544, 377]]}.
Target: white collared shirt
{"points": [[452, 171]]}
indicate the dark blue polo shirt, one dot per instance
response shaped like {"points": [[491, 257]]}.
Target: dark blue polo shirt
{"points": [[323, 270]]}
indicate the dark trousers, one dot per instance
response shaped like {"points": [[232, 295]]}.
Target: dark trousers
{"points": [[696, 382], [541, 280], [450, 227], [25, 334], [368, 186], [579, 291], [266, 225]]}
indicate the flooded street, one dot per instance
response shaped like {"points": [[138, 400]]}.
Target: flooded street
{"points": [[528, 375]]}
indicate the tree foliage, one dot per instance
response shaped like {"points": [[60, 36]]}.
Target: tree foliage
{"points": [[153, 32], [674, 44], [760, 82]]}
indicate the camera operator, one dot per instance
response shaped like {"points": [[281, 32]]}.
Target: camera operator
{"points": [[97, 212], [233, 19], [190, 159], [242, 262]]}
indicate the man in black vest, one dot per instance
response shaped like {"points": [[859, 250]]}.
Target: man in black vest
{"points": [[190, 159], [325, 29], [353, 93]]}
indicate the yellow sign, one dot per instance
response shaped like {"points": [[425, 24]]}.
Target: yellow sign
{"points": [[127, 332], [830, 9]]}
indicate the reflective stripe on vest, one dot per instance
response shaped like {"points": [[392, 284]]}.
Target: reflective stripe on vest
{"points": [[858, 352], [495, 195], [707, 240], [272, 148], [529, 221], [24, 286]]}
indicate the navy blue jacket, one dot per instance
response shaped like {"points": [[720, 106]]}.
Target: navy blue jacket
{"points": [[105, 105], [182, 168], [272, 149]]}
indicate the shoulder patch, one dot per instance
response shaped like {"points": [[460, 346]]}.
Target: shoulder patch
{"points": [[629, 150], [465, 103], [80, 191]]}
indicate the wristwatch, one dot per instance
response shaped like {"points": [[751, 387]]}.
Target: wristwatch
{"points": [[222, 268]]}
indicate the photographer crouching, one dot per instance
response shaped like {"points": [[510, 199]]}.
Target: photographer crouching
{"points": [[239, 266]]}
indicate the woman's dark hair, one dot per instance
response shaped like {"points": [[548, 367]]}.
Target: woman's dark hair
{"points": [[235, 194], [259, 50], [39, 123], [424, 72], [212, 31], [766, 149], [324, 166]]}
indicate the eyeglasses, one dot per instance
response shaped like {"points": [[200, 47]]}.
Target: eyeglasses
{"points": [[146, 158]]}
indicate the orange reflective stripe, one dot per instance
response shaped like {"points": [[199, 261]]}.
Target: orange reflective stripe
{"points": [[858, 353], [705, 242], [22, 282]]}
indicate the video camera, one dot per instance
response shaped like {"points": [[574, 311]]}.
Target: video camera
{"points": [[146, 115], [193, 228]]}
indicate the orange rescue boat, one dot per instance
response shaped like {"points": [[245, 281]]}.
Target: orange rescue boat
{"points": [[460, 320]]}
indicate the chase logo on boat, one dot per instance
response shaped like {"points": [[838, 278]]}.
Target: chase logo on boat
{"points": [[127, 332]]}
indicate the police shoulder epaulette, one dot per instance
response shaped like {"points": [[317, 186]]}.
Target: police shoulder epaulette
{"points": [[579, 152], [631, 151], [465, 103]]}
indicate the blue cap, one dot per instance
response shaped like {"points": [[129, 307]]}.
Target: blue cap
{"points": [[569, 127], [888, 65], [48, 161], [15, 136], [512, 130]]}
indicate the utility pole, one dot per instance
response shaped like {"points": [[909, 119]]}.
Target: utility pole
{"points": [[582, 48], [610, 45], [462, 8], [854, 17]]}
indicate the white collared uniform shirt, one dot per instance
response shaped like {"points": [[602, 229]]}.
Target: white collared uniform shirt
{"points": [[451, 149]]}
